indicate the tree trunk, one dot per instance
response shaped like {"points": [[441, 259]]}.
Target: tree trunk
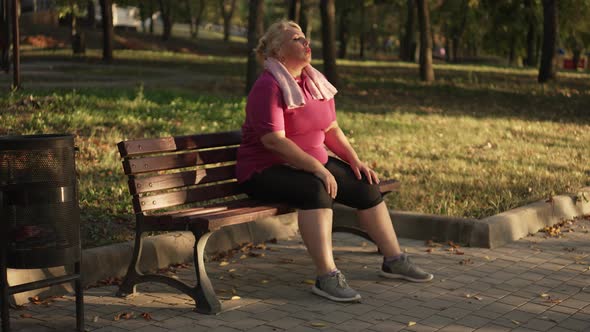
{"points": [[255, 31], [90, 13], [327, 11], [191, 18], [167, 20], [106, 8], [304, 21], [511, 51], [151, 17], [577, 55], [426, 69], [531, 60], [199, 17], [547, 70], [295, 10], [408, 43], [362, 32], [227, 11], [344, 31], [5, 36]]}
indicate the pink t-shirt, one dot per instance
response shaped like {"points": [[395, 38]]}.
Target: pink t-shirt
{"points": [[266, 112]]}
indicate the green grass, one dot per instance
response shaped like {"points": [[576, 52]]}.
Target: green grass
{"points": [[478, 141]]}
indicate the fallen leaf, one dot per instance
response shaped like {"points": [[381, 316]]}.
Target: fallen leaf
{"points": [[146, 315], [429, 250], [264, 281], [235, 297], [468, 296], [309, 282], [515, 322], [487, 258], [123, 315], [243, 256], [26, 316], [95, 319], [410, 323], [231, 270], [457, 252], [224, 263], [544, 295], [315, 324]]}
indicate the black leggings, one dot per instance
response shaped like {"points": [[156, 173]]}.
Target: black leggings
{"points": [[305, 191]]}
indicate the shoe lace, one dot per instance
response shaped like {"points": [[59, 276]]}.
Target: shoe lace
{"points": [[342, 281]]}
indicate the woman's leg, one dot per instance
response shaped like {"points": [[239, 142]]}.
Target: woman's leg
{"points": [[316, 230], [377, 222]]}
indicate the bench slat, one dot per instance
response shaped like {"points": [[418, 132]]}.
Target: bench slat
{"points": [[167, 162], [181, 179], [161, 201], [217, 220], [139, 147]]}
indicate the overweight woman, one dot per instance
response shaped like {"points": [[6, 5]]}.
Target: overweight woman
{"points": [[290, 119]]}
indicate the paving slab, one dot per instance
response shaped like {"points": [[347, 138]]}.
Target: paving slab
{"points": [[478, 290]]}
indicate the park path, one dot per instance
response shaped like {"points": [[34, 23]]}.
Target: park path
{"points": [[538, 283]]}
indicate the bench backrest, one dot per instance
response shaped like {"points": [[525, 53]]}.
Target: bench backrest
{"points": [[172, 171]]}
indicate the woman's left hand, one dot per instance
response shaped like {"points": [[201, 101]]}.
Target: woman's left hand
{"points": [[358, 167]]}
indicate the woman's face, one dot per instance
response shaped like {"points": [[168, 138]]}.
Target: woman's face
{"points": [[295, 50]]}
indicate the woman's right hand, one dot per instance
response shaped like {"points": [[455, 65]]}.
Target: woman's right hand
{"points": [[328, 180]]}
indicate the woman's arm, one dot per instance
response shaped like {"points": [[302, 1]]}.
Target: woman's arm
{"points": [[278, 143], [337, 142]]}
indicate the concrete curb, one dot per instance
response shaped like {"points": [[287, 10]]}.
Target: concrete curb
{"points": [[490, 232]]}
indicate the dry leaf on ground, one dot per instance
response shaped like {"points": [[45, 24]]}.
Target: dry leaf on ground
{"points": [[411, 323], [26, 315], [146, 315], [317, 324]]}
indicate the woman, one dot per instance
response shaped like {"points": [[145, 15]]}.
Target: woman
{"points": [[290, 116]]}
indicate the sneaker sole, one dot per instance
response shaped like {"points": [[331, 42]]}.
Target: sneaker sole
{"points": [[321, 293], [401, 276]]}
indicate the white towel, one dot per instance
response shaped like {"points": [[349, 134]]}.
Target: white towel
{"points": [[319, 86]]}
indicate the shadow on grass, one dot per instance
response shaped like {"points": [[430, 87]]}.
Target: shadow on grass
{"points": [[382, 90]]}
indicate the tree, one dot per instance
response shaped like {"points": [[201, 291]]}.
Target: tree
{"points": [[345, 10], [295, 10], [532, 21], [71, 10], [227, 11], [547, 70], [166, 11], [328, 13], [408, 43], [106, 10], [255, 30], [426, 70], [195, 15]]}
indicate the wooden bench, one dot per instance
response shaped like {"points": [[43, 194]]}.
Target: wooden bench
{"points": [[187, 183]]}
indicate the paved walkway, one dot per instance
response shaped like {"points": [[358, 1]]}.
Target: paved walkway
{"points": [[535, 284]]}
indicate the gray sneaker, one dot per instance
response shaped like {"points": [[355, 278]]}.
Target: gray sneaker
{"points": [[403, 268], [335, 288]]}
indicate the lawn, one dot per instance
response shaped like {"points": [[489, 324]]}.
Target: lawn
{"points": [[478, 141]]}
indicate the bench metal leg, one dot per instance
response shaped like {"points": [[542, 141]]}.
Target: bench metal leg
{"points": [[202, 293], [4, 290], [127, 287], [205, 297], [79, 297]]}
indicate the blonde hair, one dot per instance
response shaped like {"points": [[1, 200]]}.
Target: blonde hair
{"points": [[272, 40]]}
